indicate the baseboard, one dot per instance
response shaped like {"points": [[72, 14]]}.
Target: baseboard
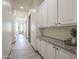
{"points": [[33, 48], [37, 51], [9, 53]]}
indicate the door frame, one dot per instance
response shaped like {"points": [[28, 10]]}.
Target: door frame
{"points": [[29, 28]]}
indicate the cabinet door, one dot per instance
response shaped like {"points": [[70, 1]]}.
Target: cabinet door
{"points": [[44, 13], [43, 49], [38, 45], [74, 57], [62, 54], [52, 12], [67, 11], [50, 51]]}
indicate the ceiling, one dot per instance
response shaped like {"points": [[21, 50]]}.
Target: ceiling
{"points": [[27, 4]]}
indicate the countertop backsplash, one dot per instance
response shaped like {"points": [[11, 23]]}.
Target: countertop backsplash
{"points": [[61, 33]]}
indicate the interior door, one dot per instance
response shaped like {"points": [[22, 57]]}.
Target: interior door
{"points": [[62, 54], [44, 13], [33, 30], [39, 20]]}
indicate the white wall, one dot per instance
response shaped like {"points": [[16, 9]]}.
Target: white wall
{"points": [[6, 28]]}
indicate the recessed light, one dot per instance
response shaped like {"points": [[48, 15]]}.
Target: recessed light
{"points": [[21, 7], [33, 10]]}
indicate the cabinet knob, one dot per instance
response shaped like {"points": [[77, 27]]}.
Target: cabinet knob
{"points": [[56, 48], [56, 24], [53, 47], [59, 23]]}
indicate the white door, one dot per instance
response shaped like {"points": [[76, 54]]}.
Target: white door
{"points": [[43, 49], [50, 51], [33, 31], [62, 54], [39, 19], [52, 12], [44, 13], [67, 11]]}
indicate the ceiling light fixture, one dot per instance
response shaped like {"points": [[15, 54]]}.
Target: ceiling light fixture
{"points": [[21, 7], [33, 10]]}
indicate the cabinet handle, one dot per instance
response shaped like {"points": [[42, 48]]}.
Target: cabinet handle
{"points": [[56, 48], [53, 47]]}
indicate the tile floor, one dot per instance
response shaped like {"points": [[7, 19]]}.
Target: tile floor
{"points": [[22, 50]]}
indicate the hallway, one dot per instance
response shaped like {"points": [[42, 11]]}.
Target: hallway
{"points": [[22, 49]]}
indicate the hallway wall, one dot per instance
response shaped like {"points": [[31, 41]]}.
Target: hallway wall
{"points": [[6, 28], [20, 18]]}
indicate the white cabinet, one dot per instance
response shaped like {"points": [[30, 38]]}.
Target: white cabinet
{"points": [[58, 12], [67, 12], [39, 17], [43, 49], [44, 13], [52, 12], [39, 45], [62, 54], [74, 57], [51, 51]]}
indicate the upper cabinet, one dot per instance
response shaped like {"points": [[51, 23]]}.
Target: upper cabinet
{"points": [[44, 13], [52, 12], [57, 12], [66, 11]]}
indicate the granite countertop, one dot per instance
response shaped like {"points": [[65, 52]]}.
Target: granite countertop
{"points": [[60, 43]]}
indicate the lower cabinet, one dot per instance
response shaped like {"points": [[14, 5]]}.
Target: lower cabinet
{"points": [[43, 49], [50, 51], [39, 45], [62, 54]]}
